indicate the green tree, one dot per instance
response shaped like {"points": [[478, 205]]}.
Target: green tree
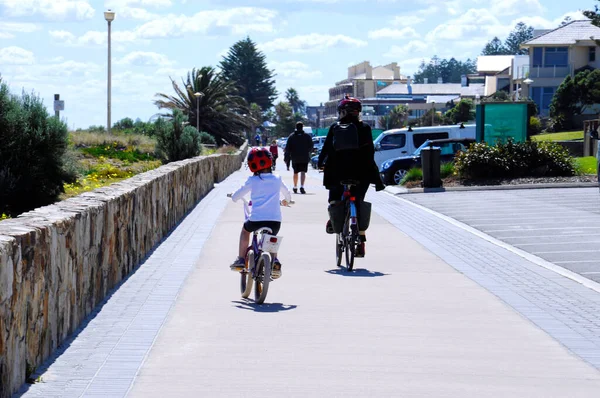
{"points": [[284, 119], [520, 34], [255, 118], [221, 109], [593, 15], [123, 124], [298, 106], [565, 104], [396, 118], [34, 163], [246, 67], [176, 141], [449, 70], [494, 47], [462, 112]]}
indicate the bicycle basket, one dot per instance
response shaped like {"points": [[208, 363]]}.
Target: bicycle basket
{"points": [[270, 243]]}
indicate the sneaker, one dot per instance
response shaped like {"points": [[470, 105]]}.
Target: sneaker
{"points": [[302, 191], [276, 269], [295, 190], [329, 227], [238, 265], [360, 250]]}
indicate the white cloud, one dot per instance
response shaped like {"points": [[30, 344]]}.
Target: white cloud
{"points": [[411, 48], [313, 42], [514, 7], [142, 58], [407, 20], [22, 27], [294, 70], [54, 10], [6, 35], [388, 33], [93, 38], [133, 8], [469, 22], [16, 56]]}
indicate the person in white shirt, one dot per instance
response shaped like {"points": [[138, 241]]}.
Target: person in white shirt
{"points": [[264, 188]]}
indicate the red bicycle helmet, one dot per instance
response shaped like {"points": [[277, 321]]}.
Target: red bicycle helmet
{"points": [[350, 104], [259, 159]]}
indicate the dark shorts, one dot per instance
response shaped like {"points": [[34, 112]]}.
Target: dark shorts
{"points": [[252, 226], [300, 167]]}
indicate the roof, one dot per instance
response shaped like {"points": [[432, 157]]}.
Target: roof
{"points": [[494, 63], [567, 34], [433, 89], [441, 99]]}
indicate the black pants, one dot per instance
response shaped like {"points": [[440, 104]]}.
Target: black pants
{"points": [[358, 191]]}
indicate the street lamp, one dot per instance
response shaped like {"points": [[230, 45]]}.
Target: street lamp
{"points": [[433, 113], [198, 96], [109, 16]]}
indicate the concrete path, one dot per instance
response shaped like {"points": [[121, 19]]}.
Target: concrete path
{"points": [[407, 323]]}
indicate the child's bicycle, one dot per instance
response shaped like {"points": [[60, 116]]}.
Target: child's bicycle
{"points": [[258, 272]]}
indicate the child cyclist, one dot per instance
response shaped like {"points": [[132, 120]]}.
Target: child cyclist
{"points": [[264, 188]]}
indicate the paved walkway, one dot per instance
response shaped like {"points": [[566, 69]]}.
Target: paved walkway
{"points": [[433, 310]]}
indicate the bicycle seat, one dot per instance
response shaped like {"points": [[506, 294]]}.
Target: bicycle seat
{"points": [[349, 182], [265, 231]]}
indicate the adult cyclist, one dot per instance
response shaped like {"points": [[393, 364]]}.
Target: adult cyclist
{"points": [[349, 154]]}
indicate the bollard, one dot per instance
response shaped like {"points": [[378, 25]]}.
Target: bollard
{"points": [[430, 163]]}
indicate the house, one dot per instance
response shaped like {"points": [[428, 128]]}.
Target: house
{"points": [[556, 54], [363, 81], [421, 97]]}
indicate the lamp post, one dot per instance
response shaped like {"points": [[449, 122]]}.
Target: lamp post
{"points": [[109, 16], [433, 113], [198, 96]]}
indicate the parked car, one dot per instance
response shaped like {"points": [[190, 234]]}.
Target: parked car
{"points": [[402, 142], [392, 171], [318, 142]]}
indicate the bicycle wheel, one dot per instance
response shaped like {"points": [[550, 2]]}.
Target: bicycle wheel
{"points": [[350, 252], [339, 249], [246, 277], [262, 278]]}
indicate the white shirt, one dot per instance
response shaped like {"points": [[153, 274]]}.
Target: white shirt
{"points": [[264, 192]]}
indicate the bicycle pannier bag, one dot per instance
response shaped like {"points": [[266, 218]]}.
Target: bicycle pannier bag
{"points": [[337, 213], [345, 137], [364, 216]]}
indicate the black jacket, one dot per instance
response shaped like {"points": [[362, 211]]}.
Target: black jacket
{"points": [[298, 147], [350, 165]]}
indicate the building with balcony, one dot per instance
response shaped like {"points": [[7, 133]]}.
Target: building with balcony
{"points": [[363, 81], [314, 114], [554, 55]]}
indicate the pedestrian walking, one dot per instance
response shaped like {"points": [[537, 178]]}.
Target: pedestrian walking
{"points": [[257, 139], [275, 152], [297, 152]]}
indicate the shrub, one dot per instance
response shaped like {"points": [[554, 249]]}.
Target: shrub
{"points": [[535, 125], [512, 160], [207, 139], [174, 141], [32, 154]]}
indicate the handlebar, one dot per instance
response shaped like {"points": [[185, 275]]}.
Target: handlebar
{"points": [[247, 203]]}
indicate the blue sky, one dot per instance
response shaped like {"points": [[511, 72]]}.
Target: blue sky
{"points": [[59, 46]]}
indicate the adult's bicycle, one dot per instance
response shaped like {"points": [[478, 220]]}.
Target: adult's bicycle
{"points": [[259, 260], [348, 239]]}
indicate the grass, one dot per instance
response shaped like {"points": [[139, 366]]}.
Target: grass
{"points": [[586, 165], [416, 174], [83, 139], [563, 136]]}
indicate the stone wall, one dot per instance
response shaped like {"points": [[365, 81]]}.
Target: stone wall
{"points": [[58, 262]]}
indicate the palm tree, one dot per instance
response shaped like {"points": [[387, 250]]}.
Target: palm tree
{"points": [[221, 110], [294, 100]]}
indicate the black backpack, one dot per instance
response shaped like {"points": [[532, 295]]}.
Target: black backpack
{"points": [[345, 137]]}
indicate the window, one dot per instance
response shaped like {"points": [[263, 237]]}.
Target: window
{"points": [[542, 96], [419, 139], [592, 54], [538, 54], [557, 56], [394, 141]]}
